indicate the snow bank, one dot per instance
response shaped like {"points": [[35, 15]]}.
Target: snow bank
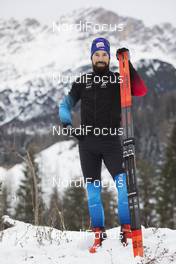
{"points": [[25, 243]]}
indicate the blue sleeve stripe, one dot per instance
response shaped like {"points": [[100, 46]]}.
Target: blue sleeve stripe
{"points": [[65, 107]]}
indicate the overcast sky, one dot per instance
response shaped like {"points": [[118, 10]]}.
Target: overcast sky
{"points": [[150, 11]]}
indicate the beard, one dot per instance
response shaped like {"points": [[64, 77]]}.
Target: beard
{"points": [[100, 69]]}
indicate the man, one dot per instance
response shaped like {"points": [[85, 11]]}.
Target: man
{"points": [[99, 92]]}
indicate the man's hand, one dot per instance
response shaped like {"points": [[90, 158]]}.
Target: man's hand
{"points": [[121, 50], [68, 125], [69, 128]]}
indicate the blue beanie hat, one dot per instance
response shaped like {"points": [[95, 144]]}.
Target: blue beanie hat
{"points": [[100, 44]]}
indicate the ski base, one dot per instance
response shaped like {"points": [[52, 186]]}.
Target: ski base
{"points": [[136, 236], [137, 243]]}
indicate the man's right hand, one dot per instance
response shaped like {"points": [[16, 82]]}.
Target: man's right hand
{"points": [[68, 127], [71, 132], [120, 51]]}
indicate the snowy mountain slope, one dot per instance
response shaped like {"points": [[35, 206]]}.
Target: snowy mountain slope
{"points": [[23, 243], [31, 54], [59, 165]]}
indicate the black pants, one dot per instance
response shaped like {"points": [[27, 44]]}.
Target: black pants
{"points": [[93, 149]]}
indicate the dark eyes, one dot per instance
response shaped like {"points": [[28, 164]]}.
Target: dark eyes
{"points": [[104, 54]]}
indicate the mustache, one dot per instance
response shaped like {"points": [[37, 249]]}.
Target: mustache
{"points": [[102, 62]]}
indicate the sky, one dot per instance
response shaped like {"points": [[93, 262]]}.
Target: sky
{"points": [[150, 11]]}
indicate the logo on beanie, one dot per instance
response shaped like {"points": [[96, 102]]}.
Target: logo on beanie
{"points": [[100, 45]]}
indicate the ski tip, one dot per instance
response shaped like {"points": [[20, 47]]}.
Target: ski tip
{"points": [[137, 243]]}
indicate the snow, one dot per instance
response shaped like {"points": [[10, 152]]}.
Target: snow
{"points": [[11, 178], [59, 166], [25, 243], [32, 51]]}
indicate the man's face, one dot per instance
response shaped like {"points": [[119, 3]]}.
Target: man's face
{"points": [[100, 61]]}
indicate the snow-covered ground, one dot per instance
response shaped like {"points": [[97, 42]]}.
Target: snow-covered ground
{"points": [[25, 243]]}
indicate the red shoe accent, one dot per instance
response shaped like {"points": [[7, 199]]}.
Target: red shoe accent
{"points": [[127, 230], [100, 235], [125, 233]]}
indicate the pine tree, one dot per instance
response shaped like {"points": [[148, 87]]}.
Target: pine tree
{"points": [[110, 208], [1, 205], [147, 193], [55, 211], [75, 210], [30, 207], [4, 203], [167, 193]]}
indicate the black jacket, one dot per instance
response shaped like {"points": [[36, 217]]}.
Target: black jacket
{"points": [[100, 99]]}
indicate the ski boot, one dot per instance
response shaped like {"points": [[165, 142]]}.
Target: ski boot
{"points": [[125, 233], [100, 235]]}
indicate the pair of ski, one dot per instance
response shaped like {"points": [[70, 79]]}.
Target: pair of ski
{"points": [[133, 230]]}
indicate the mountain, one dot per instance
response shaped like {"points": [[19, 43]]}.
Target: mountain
{"points": [[36, 61]]}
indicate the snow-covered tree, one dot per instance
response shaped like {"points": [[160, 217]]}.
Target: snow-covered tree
{"points": [[30, 206], [55, 211], [4, 203], [110, 208], [75, 210], [147, 193]]}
